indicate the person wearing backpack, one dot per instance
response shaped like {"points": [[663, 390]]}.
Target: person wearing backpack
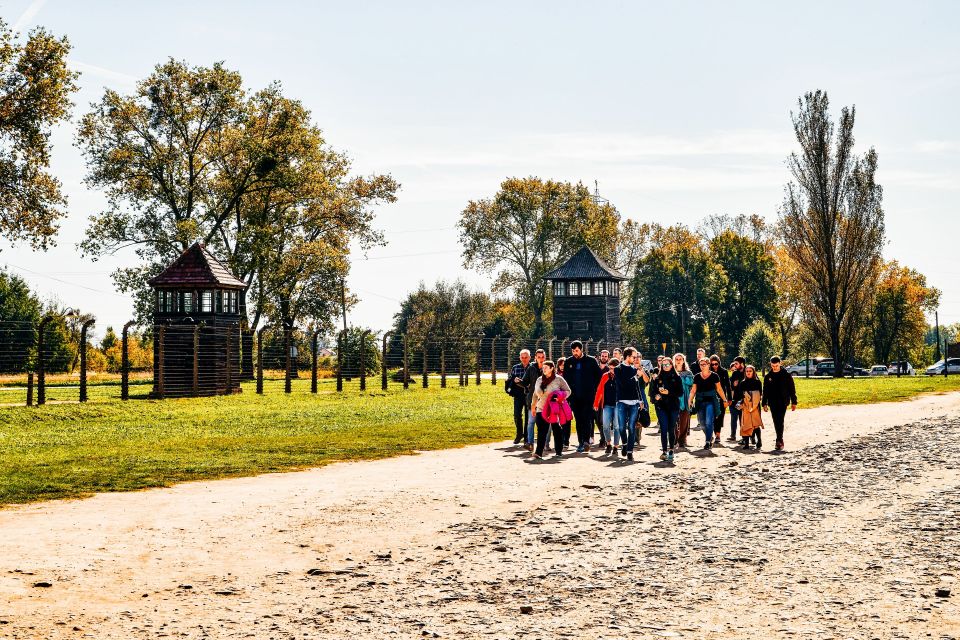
{"points": [[544, 391], [514, 387]]}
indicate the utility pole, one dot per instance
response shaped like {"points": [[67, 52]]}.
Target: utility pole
{"points": [[936, 354]]}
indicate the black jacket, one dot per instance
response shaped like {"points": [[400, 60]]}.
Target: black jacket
{"points": [[724, 380], [583, 376], [736, 380], [778, 389], [628, 387], [530, 377], [670, 381]]}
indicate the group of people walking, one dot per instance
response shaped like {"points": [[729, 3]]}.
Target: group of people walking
{"points": [[616, 393]]}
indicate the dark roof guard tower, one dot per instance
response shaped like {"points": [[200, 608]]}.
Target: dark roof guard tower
{"points": [[586, 298], [197, 312]]}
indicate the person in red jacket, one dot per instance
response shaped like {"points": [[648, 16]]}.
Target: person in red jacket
{"points": [[605, 404]]}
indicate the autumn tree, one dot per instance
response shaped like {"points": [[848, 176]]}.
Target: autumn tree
{"points": [[530, 227], [673, 289], [897, 317], [749, 294], [190, 155], [832, 222], [790, 296], [35, 88]]}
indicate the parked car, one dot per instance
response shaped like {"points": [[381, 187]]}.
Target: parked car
{"points": [[800, 368], [826, 368], [936, 369], [878, 370], [904, 368]]}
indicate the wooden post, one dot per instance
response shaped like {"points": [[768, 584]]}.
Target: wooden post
{"points": [[260, 359], [406, 364], [493, 360], [550, 348], [462, 375], [159, 382], [341, 356], [313, 366], [125, 361], [383, 367], [425, 383], [41, 373], [195, 388], [83, 359], [29, 388], [443, 363], [287, 334], [363, 359], [507, 367], [479, 346]]}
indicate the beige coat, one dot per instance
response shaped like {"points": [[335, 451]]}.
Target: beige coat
{"points": [[750, 416], [540, 395]]}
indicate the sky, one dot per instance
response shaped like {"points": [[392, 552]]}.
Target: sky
{"points": [[677, 110]]}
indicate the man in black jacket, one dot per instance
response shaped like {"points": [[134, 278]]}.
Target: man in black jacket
{"points": [[529, 380], [717, 368], [778, 391], [515, 385], [582, 373]]}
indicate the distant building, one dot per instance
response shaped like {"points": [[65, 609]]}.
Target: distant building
{"points": [[196, 319], [586, 298]]}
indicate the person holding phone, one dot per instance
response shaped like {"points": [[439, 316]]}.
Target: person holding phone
{"points": [[667, 390]]}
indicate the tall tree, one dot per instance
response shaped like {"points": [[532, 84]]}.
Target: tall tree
{"points": [[530, 227], [35, 88], [445, 310], [674, 289], [749, 293], [832, 222], [191, 156], [790, 295], [897, 319]]}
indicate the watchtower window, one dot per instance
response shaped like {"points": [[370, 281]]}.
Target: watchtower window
{"points": [[559, 288], [585, 289], [206, 302], [188, 302], [574, 288]]}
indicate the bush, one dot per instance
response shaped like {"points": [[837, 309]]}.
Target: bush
{"points": [[759, 344]]}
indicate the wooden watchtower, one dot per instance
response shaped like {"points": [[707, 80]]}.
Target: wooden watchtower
{"points": [[196, 319], [586, 298]]}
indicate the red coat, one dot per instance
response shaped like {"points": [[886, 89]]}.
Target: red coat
{"points": [[598, 397]]}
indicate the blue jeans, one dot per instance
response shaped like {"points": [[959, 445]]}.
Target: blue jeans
{"points": [[531, 422], [668, 419], [611, 430], [705, 416], [627, 424]]}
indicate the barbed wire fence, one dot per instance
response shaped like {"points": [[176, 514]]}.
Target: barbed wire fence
{"points": [[44, 363]]}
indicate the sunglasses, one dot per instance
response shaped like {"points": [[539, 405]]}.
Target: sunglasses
{"points": [[667, 364]]}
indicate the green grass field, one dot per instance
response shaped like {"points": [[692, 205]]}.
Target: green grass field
{"points": [[67, 450]]}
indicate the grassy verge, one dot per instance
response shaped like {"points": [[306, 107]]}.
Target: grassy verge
{"points": [[66, 450]]}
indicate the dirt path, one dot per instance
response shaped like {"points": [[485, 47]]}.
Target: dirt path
{"points": [[847, 534]]}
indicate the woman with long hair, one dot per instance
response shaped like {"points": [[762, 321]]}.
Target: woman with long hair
{"points": [[547, 384], [565, 428], [751, 421], [666, 390], [708, 394], [686, 378]]}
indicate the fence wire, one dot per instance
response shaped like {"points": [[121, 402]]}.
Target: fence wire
{"points": [[192, 360]]}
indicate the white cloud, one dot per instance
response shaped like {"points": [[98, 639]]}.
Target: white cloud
{"points": [[103, 73], [26, 18], [936, 146]]}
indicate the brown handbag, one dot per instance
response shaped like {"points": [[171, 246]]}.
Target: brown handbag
{"points": [[683, 428]]}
